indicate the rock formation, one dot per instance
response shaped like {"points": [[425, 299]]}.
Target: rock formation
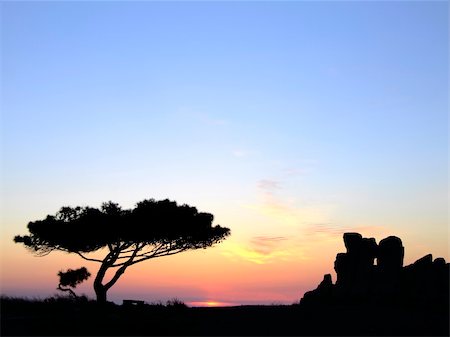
{"points": [[361, 281]]}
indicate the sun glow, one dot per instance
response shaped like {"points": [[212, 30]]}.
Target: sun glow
{"points": [[209, 303]]}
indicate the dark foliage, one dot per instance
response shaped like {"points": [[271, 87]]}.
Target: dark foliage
{"points": [[73, 277], [176, 303], [87, 229], [152, 229]]}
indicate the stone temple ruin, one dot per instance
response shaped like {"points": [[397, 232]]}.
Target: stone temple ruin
{"points": [[361, 281]]}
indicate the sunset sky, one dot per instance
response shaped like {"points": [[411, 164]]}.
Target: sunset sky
{"points": [[291, 122]]}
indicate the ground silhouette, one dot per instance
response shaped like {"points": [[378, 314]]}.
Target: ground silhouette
{"points": [[65, 317], [368, 299]]}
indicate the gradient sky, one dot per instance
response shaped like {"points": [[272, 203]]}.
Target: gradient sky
{"points": [[291, 122]]}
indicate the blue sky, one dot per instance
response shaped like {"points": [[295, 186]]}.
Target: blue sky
{"points": [[337, 106]]}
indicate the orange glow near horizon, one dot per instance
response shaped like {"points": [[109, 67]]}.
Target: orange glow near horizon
{"points": [[269, 268], [210, 304]]}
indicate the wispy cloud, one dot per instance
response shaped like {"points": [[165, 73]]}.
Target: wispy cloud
{"points": [[268, 239], [271, 204], [260, 249], [267, 244], [313, 222], [324, 228], [337, 230], [239, 153], [283, 209], [268, 185]]}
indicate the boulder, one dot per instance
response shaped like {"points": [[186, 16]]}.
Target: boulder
{"points": [[321, 295], [440, 261], [352, 242], [390, 255], [354, 268], [342, 268]]}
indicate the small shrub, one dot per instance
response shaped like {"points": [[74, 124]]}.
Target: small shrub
{"points": [[176, 303], [158, 304]]}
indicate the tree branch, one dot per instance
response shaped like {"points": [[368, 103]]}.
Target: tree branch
{"points": [[67, 289], [151, 251], [134, 255], [89, 259], [165, 252], [124, 266]]}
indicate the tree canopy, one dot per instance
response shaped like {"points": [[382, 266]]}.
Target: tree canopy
{"points": [[71, 278], [152, 229]]}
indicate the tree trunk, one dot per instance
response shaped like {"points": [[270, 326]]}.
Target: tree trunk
{"points": [[99, 288], [100, 292]]}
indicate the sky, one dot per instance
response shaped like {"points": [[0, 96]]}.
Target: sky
{"points": [[292, 122]]}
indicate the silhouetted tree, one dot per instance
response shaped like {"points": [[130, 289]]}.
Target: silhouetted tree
{"points": [[125, 237], [71, 278]]}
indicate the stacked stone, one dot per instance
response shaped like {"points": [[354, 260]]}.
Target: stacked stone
{"points": [[359, 280], [354, 268]]}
